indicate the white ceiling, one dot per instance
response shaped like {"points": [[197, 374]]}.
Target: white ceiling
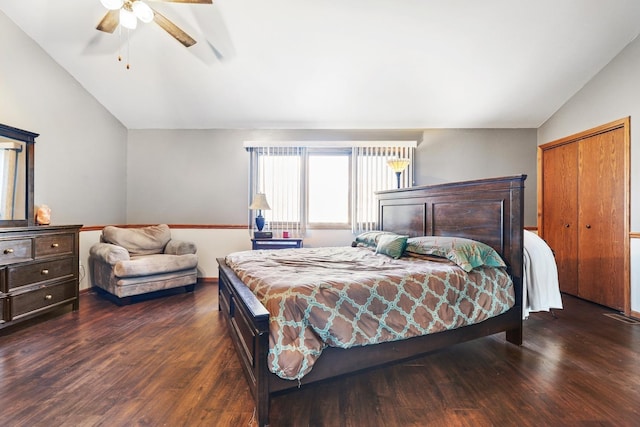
{"points": [[353, 64]]}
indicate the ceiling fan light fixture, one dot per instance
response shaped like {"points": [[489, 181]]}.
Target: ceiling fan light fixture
{"points": [[128, 19], [142, 11], [112, 4]]}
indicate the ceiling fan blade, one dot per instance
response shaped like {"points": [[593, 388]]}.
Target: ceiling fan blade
{"points": [[173, 29], [188, 1], [109, 22]]}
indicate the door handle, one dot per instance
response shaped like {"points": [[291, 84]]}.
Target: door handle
{"points": [[588, 225]]}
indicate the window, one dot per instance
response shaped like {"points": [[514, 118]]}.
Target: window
{"points": [[328, 189], [315, 185], [281, 174]]}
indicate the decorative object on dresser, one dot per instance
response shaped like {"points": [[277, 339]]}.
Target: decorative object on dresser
{"points": [[43, 215], [134, 261], [288, 243]]}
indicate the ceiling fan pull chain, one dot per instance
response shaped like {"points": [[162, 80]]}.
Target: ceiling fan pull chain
{"points": [[119, 43], [128, 49]]}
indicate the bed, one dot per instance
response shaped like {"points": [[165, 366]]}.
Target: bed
{"points": [[488, 211]]}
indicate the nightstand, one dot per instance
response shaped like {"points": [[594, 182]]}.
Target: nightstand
{"points": [[276, 243]]}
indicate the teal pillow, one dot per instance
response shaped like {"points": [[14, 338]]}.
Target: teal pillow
{"points": [[391, 245], [370, 238], [466, 253]]}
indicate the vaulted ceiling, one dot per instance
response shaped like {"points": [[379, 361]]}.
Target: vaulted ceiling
{"points": [[336, 63]]}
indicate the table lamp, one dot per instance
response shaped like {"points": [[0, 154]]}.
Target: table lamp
{"points": [[259, 203]]}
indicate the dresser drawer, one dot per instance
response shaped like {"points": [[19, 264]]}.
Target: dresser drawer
{"points": [[12, 251], [21, 275], [4, 309], [43, 297], [56, 244]]}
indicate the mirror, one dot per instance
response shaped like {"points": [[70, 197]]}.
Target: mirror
{"points": [[16, 176]]}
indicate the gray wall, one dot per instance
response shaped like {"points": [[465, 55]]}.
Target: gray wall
{"points": [[447, 155], [200, 176], [80, 157], [612, 94]]}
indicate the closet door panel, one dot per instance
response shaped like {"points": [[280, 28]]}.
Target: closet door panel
{"points": [[560, 207], [600, 219]]}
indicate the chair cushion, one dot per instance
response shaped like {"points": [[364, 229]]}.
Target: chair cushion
{"points": [[139, 241], [147, 265], [109, 253]]}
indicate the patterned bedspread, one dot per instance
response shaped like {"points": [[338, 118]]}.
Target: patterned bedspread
{"points": [[345, 297]]}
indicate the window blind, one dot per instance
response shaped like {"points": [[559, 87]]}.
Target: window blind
{"points": [[279, 169], [371, 174], [278, 172]]}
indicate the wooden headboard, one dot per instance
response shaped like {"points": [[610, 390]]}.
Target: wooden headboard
{"points": [[487, 210]]}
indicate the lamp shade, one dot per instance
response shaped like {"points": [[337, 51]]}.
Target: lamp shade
{"points": [[112, 4], [128, 19], [260, 202], [398, 165], [142, 11]]}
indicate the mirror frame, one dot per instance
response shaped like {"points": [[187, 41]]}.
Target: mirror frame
{"points": [[29, 138]]}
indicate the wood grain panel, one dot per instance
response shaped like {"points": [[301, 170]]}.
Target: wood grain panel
{"points": [[601, 231], [24, 275], [477, 220], [55, 244], [29, 302], [560, 207], [404, 218]]}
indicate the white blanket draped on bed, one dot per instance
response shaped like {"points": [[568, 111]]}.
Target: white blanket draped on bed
{"points": [[540, 276]]}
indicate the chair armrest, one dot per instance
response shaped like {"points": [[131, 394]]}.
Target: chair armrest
{"points": [[109, 253], [180, 247]]}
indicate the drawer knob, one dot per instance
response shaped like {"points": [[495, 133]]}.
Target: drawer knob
{"points": [[8, 251], [54, 245], [45, 271], [48, 296]]}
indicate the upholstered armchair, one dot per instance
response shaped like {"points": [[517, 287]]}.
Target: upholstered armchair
{"points": [[133, 261]]}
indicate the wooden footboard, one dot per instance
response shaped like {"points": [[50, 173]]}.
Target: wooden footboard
{"points": [[248, 323], [490, 211]]}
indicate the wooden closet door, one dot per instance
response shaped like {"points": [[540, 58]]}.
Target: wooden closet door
{"points": [[601, 219], [560, 207]]}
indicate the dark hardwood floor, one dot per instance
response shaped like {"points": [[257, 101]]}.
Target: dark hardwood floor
{"points": [[169, 362]]}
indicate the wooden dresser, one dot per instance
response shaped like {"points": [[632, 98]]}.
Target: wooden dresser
{"points": [[38, 271]]}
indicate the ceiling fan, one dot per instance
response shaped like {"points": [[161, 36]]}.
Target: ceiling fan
{"points": [[127, 13]]}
